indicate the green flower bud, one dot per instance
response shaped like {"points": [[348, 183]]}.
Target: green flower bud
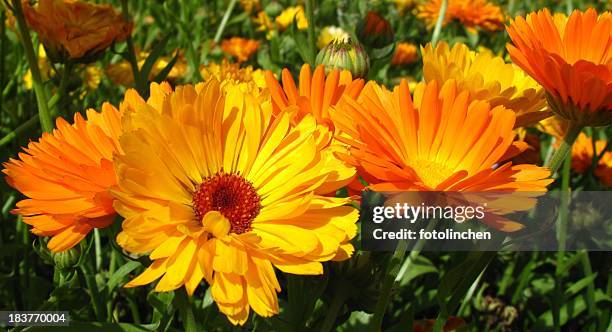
{"points": [[344, 54], [67, 259]]}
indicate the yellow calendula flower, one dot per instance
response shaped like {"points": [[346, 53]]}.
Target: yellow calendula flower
{"points": [[213, 186], [240, 48], [43, 65], [226, 70], [403, 6], [75, 30], [249, 5], [329, 34], [290, 14], [405, 53], [121, 72], [487, 77]]}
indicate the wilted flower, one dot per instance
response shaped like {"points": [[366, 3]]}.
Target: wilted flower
{"points": [[470, 13], [582, 158], [487, 77], [291, 14], [329, 34], [66, 176], [240, 48], [405, 53], [219, 206], [375, 31], [344, 54], [76, 30], [571, 58]]}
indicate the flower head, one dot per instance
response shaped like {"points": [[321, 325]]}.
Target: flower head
{"points": [[291, 14], [210, 189], [240, 48], [470, 13], [487, 77], [405, 53], [66, 176], [375, 31], [571, 58], [582, 158], [443, 141], [330, 33], [230, 71], [344, 55], [76, 30], [315, 93]]}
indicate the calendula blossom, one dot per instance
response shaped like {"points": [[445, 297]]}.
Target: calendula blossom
{"points": [[571, 57], [487, 77], [75, 30], [213, 186], [240, 48], [291, 14], [441, 141], [405, 53], [470, 13], [66, 176], [226, 71], [582, 158]]}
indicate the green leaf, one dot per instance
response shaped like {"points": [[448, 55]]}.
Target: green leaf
{"points": [[121, 272], [570, 310], [420, 266], [153, 57], [164, 72]]}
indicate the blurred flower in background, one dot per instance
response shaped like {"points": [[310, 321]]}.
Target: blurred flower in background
{"points": [[250, 5], [487, 77], [291, 14], [121, 72], [582, 158], [405, 53], [240, 48], [229, 71], [374, 31], [470, 13], [403, 6], [76, 30], [329, 34]]}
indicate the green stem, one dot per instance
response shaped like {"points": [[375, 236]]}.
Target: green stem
{"points": [[561, 239], [334, 308], [570, 6], [566, 145], [185, 310], [97, 248], [439, 22], [94, 292], [416, 250], [312, 47], [131, 54], [228, 12], [41, 95], [588, 271], [21, 128]]}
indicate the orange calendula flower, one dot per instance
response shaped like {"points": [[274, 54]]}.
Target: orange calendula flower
{"points": [[470, 13], [66, 176], [76, 30], [315, 93], [240, 48], [443, 141], [213, 186], [405, 53], [582, 158], [571, 58]]}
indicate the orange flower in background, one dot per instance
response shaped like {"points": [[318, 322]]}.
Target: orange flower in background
{"points": [[240, 48], [582, 158], [470, 13], [571, 58], [405, 53], [66, 176], [440, 142], [214, 187], [76, 30], [315, 93]]}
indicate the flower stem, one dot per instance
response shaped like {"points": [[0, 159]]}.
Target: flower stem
{"points": [[39, 90], [439, 22], [561, 239], [226, 16], [334, 308], [92, 286], [557, 159], [185, 310], [312, 47]]}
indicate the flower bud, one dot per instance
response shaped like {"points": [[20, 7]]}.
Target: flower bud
{"points": [[67, 259], [374, 31], [344, 54]]}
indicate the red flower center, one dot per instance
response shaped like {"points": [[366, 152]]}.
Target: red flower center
{"points": [[231, 195]]}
